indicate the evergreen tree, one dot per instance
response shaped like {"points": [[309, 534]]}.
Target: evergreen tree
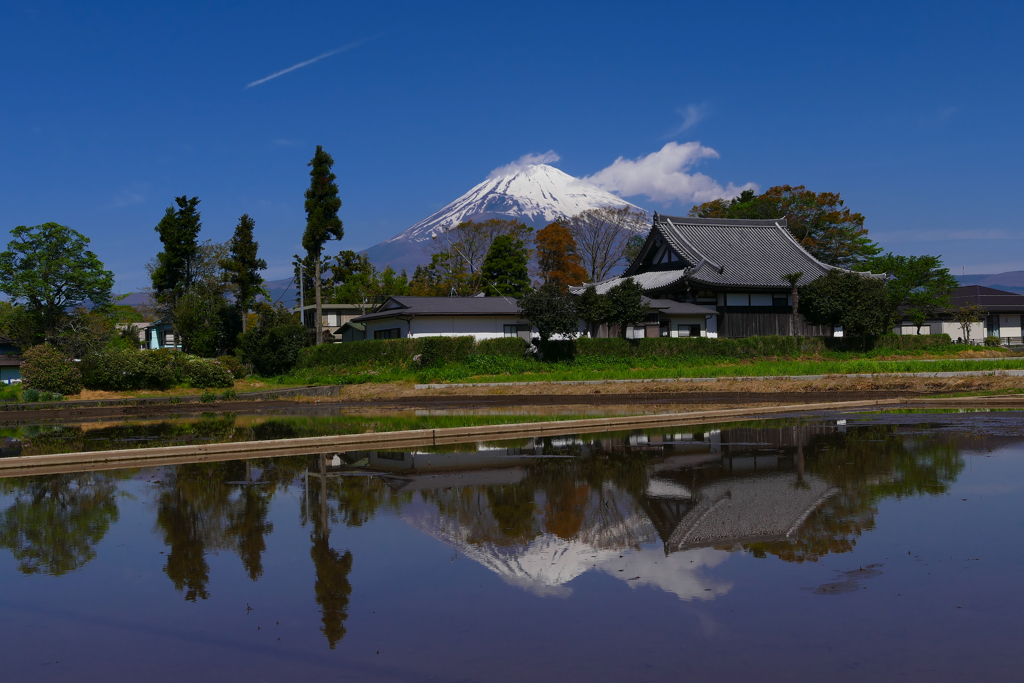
{"points": [[176, 265], [552, 310], [593, 309], [322, 222], [505, 271], [626, 305], [243, 266]]}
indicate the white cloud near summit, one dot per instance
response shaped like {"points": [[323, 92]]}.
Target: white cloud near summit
{"points": [[664, 176], [522, 162]]}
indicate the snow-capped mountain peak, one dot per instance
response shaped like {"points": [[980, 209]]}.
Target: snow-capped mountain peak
{"points": [[535, 194]]}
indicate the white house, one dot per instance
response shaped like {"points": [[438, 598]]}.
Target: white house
{"points": [[1003, 319], [428, 316]]}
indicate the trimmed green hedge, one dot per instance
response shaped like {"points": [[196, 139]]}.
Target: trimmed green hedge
{"points": [[912, 342], [699, 347], [502, 346]]}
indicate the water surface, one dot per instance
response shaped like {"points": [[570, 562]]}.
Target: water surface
{"points": [[863, 547]]}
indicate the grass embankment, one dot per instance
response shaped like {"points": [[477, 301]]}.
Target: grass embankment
{"points": [[457, 360]]}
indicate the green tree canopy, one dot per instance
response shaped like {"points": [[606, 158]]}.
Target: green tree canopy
{"points": [[918, 287], [853, 301], [48, 269], [626, 305], [243, 266], [272, 345], [552, 310], [354, 280], [821, 222], [505, 271], [592, 308]]}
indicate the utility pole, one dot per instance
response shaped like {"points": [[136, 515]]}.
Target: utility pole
{"points": [[302, 297]]}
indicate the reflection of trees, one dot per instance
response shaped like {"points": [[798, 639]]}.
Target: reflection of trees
{"points": [[332, 588], [866, 464], [213, 506], [55, 521], [250, 527]]}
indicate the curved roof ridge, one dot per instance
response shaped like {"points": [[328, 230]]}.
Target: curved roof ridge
{"points": [[703, 258], [725, 222]]}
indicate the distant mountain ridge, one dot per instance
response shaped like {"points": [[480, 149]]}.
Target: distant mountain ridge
{"points": [[536, 195], [1011, 281]]}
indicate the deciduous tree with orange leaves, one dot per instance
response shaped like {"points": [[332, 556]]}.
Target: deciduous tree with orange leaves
{"points": [[557, 257]]}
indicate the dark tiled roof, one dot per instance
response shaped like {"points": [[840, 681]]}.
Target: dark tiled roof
{"points": [[993, 300], [7, 361], [735, 253], [670, 307], [442, 305]]}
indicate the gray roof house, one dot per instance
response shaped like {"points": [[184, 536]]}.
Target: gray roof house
{"points": [[734, 267], [426, 316], [1003, 317]]}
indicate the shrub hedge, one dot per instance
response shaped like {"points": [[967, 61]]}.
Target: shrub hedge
{"points": [[912, 342], [502, 346], [234, 366], [115, 369], [439, 351], [699, 347], [46, 368]]}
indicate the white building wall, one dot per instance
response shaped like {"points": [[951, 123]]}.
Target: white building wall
{"points": [[480, 327], [1009, 325], [955, 332], [689, 320]]}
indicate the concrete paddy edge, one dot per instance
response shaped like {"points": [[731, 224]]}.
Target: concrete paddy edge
{"points": [[443, 435], [726, 378], [172, 455]]}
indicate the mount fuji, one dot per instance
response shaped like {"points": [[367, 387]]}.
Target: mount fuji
{"points": [[536, 194]]}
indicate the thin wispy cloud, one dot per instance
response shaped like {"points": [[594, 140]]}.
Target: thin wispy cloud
{"points": [[524, 161], [282, 72], [132, 195], [692, 115]]}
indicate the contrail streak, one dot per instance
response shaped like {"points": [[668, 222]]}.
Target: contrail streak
{"points": [[325, 55]]}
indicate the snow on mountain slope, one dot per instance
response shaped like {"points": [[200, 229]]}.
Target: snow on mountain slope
{"points": [[535, 194]]}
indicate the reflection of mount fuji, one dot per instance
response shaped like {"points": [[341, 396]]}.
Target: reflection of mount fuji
{"points": [[703, 495]]}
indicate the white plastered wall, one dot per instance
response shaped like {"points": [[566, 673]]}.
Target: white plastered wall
{"points": [[478, 326], [676, 321]]}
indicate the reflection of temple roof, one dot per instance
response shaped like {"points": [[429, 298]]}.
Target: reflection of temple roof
{"points": [[736, 510]]}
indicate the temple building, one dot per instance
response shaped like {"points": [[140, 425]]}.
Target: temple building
{"points": [[729, 273]]}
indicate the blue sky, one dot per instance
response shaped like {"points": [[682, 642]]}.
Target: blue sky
{"points": [[911, 110]]}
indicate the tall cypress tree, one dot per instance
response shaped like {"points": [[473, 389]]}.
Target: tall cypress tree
{"points": [[322, 222], [243, 266], [176, 265]]}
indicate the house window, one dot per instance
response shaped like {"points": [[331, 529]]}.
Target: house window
{"points": [[780, 299], [689, 330], [511, 330], [736, 299], [393, 333], [760, 299], [330, 320], [168, 337]]}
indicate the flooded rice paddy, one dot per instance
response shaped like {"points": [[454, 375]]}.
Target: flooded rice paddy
{"points": [[858, 547]]}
